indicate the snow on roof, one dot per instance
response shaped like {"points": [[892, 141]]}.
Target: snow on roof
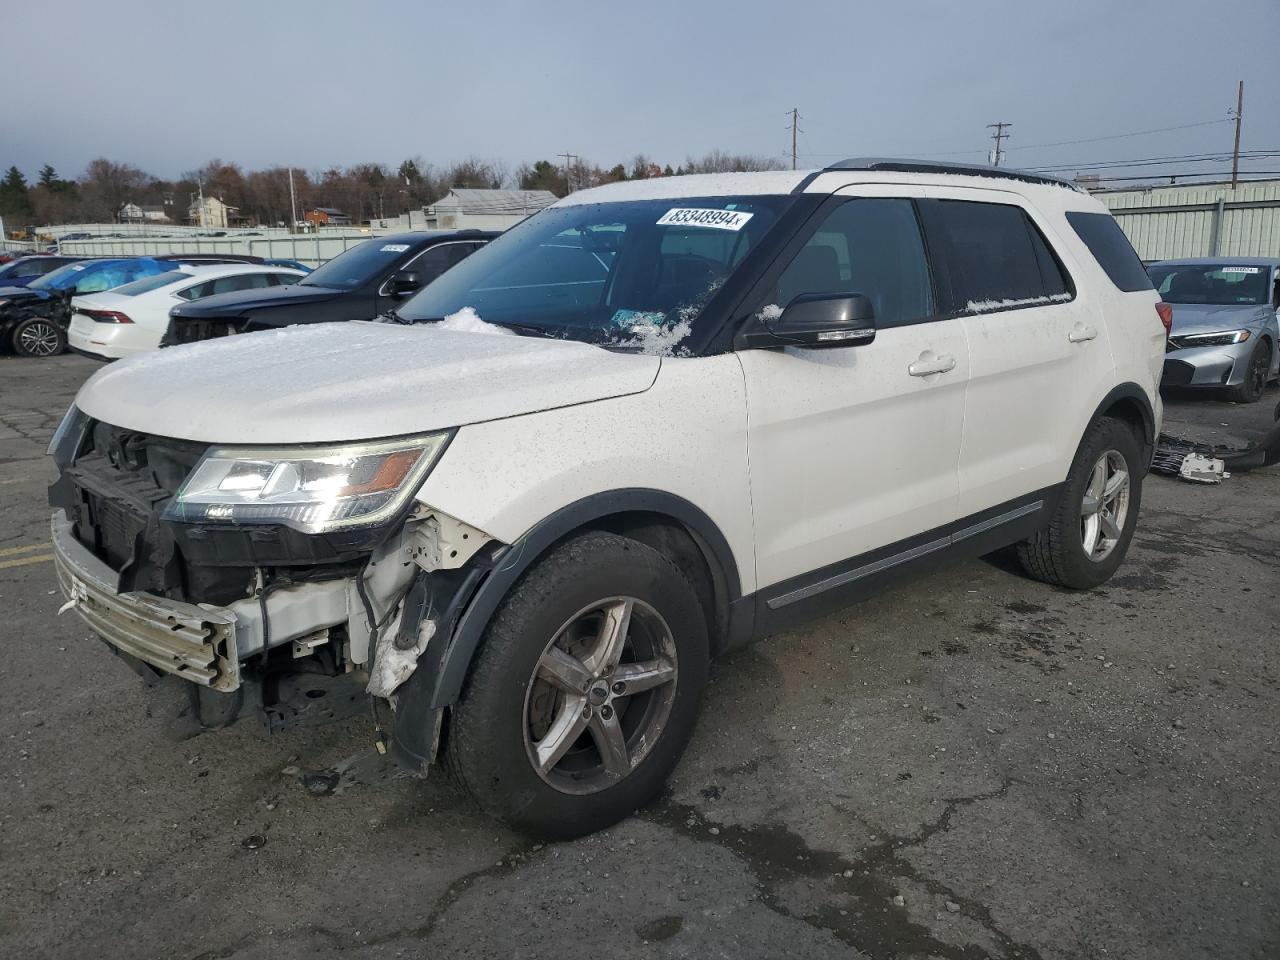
{"points": [[470, 200], [691, 185]]}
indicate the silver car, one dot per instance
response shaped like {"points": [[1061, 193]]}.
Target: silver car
{"points": [[1225, 327]]}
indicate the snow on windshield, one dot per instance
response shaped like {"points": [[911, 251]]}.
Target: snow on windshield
{"points": [[467, 320]]}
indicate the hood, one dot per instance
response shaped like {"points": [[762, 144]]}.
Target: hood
{"points": [[1214, 317], [231, 305], [352, 381]]}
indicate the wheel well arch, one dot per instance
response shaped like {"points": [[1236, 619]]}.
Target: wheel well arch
{"points": [[666, 522], [1128, 402]]}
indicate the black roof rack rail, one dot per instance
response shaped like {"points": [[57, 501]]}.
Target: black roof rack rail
{"points": [[896, 165]]}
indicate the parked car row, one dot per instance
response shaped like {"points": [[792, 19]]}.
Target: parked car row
{"points": [[109, 308], [35, 311]]}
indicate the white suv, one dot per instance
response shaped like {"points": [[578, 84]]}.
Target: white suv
{"points": [[648, 424]]}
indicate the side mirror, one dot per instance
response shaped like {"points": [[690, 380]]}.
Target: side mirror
{"points": [[404, 283], [816, 321]]}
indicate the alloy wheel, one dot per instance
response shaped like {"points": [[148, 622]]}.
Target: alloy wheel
{"points": [[1105, 506], [1258, 372], [600, 695], [38, 339]]}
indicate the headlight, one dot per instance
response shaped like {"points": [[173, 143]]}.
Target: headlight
{"points": [[68, 437], [1224, 339], [312, 489]]}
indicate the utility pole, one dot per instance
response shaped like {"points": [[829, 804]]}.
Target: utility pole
{"points": [[1235, 153], [568, 187], [999, 137], [200, 185], [293, 204], [795, 128]]}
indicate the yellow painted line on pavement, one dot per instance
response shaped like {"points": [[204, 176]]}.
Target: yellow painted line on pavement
{"points": [[29, 548], [24, 561]]}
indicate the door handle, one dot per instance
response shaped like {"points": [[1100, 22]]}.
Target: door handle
{"points": [[1080, 333], [928, 364]]}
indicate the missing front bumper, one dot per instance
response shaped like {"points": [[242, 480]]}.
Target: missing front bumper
{"points": [[197, 643]]}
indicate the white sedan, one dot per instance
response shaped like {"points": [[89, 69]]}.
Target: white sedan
{"points": [[132, 318]]}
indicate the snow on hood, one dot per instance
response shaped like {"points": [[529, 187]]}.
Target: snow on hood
{"points": [[1214, 317], [352, 381]]}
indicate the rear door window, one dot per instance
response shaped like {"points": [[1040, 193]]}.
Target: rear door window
{"points": [[244, 281], [1111, 248], [996, 257]]}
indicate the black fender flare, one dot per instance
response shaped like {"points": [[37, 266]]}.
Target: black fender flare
{"points": [[524, 552], [1131, 391], [478, 589]]}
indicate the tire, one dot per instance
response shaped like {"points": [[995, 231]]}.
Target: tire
{"points": [[1063, 553], [1256, 375], [38, 337], [508, 718]]}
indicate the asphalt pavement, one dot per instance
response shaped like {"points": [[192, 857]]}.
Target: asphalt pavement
{"points": [[970, 766]]}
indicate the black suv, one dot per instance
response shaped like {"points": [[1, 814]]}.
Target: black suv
{"points": [[358, 284]]}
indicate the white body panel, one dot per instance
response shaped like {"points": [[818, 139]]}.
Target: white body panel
{"points": [[849, 452], [685, 436], [352, 381], [1034, 372]]}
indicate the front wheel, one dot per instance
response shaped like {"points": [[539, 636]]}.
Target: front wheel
{"points": [[585, 690], [1091, 529], [38, 337], [1250, 389]]}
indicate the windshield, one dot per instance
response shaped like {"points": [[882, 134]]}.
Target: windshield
{"points": [[357, 266], [147, 284], [23, 267], [628, 273], [1217, 283]]}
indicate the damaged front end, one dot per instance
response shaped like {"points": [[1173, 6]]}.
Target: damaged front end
{"points": [[214, 576]]}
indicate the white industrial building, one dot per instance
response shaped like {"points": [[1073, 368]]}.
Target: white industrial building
{"points": [[1199, 220]]}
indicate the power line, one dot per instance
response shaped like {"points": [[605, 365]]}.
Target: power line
{"points": [[1155, 161], [1183, 174], [1122, 136], [1038, 146]]}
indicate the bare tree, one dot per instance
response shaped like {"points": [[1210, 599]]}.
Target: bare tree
{"points": [[717, 161], [106, 186]]}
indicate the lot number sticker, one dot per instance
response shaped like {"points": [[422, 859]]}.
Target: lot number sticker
{"points": [[394, 247], [1240, 269], [694, 217]]}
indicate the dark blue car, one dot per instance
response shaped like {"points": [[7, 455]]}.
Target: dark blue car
{"points": [[20, 272]]}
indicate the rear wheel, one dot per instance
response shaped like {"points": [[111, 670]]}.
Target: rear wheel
{"points": [[1255, 376], [585, 690], [38, 337], [1091, 529]]}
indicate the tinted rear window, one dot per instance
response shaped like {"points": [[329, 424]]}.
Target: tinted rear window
{"points": [[997, 256], [1111, 248]]}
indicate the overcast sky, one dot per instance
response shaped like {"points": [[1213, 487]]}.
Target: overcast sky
{"points": [[166, 86]]}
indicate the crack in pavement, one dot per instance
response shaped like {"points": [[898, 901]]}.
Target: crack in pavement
{"points": [[872, 924]]}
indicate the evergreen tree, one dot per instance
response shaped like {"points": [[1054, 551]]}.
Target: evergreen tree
{"points": [[15, 202]]}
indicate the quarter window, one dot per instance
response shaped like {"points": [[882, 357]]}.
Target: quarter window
{"points": [[1111, 248], [870, 246], [997, 256]]}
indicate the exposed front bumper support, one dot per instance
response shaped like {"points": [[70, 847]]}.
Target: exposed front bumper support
{"points": [[196, 642]]}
